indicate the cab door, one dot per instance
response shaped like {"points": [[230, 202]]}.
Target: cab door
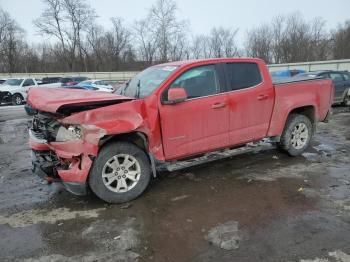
{"points": [[251, 100], [200, 123]]}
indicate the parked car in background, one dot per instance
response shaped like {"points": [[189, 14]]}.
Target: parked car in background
{"points": [[166, 118], [286, 73], [71, 81], [51, 80], [98, 85], [341, 81], [14, 90]]}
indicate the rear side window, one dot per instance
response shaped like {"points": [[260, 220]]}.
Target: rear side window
{"points": [[346, 77], [336, 77], [243, 75]]}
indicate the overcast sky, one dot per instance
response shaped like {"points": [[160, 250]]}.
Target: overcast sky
{"points": [[202, 14]]}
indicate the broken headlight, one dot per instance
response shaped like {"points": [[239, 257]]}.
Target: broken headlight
{"points": [[72, 132]]}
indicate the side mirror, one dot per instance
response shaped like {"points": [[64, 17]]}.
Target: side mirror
{"points": [[176, 95]]}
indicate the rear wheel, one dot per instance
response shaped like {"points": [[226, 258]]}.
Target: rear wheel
{"points": [[17, 99], [120, 173], [296, 135]]}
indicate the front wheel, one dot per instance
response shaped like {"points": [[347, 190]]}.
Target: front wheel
{"points": [[120, 173], [17, 99], [296, 135]]}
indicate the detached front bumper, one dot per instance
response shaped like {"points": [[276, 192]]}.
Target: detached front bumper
{"points": [[65, 162]]}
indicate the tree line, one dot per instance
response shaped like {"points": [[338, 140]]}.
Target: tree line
{"points": [[78, 43]]}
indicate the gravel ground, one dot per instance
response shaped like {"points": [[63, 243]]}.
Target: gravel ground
{"points": [[265, 206]]}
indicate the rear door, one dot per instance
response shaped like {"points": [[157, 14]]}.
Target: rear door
{"points": [[199, 124], [339, 85], [251, 100]]}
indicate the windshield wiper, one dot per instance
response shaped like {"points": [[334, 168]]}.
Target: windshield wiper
{"points": [[123, 90], [138, 89]]}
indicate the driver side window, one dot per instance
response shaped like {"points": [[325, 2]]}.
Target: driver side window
{"points": [[199, 81]]}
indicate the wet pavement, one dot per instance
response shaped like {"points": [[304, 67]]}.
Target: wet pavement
{"points": [[254, 207]]}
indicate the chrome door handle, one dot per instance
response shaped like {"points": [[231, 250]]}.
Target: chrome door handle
{"points": [[218, 105], [262, 97]]}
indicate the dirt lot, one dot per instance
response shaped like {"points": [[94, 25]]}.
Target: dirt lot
{"points": [[254, 207]]}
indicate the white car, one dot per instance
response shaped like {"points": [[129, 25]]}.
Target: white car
{"points": [[98, 85], [14, 90]]}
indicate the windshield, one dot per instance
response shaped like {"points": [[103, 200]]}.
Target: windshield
{"points": [[144, 83], [13, 82]]}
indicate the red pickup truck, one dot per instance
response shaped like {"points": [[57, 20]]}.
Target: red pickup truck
{"points": [[169, 116]]}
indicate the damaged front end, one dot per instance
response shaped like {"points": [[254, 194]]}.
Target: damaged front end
{"points": [[61, 152]]}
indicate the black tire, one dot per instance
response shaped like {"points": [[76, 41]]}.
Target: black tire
{"points": [[17, 99], [97, 184], [286, 142], [346, 101]]}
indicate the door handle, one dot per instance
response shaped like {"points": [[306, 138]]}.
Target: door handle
{"points": [[218, 105], [262, 97]]}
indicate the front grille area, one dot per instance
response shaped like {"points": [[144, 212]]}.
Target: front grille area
{"points": [[44, 126], [39, 135]]}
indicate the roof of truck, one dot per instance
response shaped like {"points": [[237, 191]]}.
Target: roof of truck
{"points": [[214, 60]]}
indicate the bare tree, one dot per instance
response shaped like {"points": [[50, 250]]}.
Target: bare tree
{"points": [[11, 43], [259, 44], [341, 41], [289, 39], [160, 36], [5, 23], [179, 47], [95, 40], [222, 42], [119, 39], [278, 34], [320, 44], [146, 40], [165, 26], [66, 20]]}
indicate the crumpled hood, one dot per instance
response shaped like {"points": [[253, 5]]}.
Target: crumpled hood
{"points": [[62, 100]]}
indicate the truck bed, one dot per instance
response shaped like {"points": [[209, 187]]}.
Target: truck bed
{"points": [[289, 80], [293, 93]]}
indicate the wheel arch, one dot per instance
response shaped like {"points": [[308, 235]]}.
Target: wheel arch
{"points": [[17, 93], [307, 110], [137, 138]]}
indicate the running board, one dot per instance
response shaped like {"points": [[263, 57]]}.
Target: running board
{"points": [[216, 155]]}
